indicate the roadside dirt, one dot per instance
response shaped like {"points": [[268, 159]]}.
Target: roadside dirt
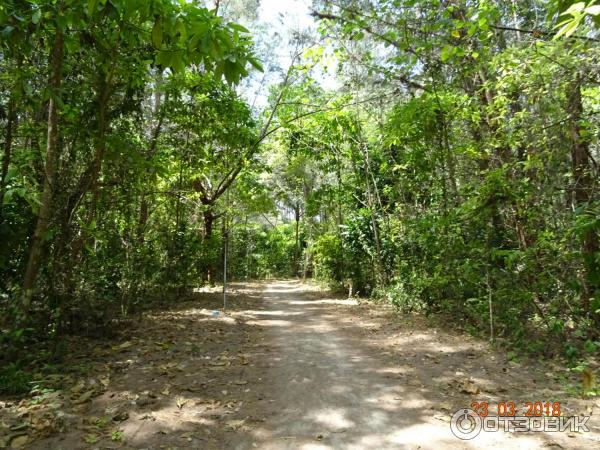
{"points": [[287, 367]]}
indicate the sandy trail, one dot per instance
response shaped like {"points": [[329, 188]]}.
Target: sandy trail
{"points": [[288, 367], [333, 385]]}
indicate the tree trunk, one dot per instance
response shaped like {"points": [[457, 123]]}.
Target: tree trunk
{"points": [[99, 154], [209, 219], [89, 181], [451, 161], [580, 150], [297, 240], [583, 188], [8, 138], [143, 219], [379, 263], [340, 221], [52, 155], [160, 114]]}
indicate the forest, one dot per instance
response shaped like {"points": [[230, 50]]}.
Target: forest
{"points": [[439, 156]]}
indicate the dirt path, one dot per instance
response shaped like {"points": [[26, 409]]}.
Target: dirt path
{"points": [[288, 367], [343, 376]]}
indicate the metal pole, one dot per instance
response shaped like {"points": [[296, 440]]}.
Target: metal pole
{"points": [[225, 273], [226, 237]]}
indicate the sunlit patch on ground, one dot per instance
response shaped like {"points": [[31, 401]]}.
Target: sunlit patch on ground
{"points": [[288, 367]]}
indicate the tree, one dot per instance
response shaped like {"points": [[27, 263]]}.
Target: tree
{"points": [[119, 40]]}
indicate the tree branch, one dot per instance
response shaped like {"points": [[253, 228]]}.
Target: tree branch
{"points": [[537, 33]]}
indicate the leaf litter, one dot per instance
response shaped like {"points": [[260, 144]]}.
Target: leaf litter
{"points": [[184, 378], [140, 379]]}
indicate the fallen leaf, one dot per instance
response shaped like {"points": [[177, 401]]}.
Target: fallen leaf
{"points": [[234, 425], [85, 397], [19, 441], [145, 400], [588, 380], [445, 406], [468, 387], [168, 366], [123, 346], [181, 402], [78, 387], [120, 416]]}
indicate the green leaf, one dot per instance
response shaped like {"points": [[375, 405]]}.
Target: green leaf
{"points": [[92, 6], [163, 58], [256, 64], [238, 27], [7, 30], [177, 63], [569, 28], [37, 15], [218, 72], [157, 33], [590, 346], [593, 10], [181, 29], [447, 52], [575, 7]]}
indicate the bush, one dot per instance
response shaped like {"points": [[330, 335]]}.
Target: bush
{"points": [[327, 254], [401, 296], [14, 381]]}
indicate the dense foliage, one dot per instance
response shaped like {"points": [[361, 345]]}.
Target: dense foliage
{"points": [[473, 159], [453, 170], [115, 114]]}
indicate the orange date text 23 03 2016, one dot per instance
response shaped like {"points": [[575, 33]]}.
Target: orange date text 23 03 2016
{"points": [[511, 409]]}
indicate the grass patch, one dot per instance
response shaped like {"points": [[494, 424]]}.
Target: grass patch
{"points": [[14, 381]]}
